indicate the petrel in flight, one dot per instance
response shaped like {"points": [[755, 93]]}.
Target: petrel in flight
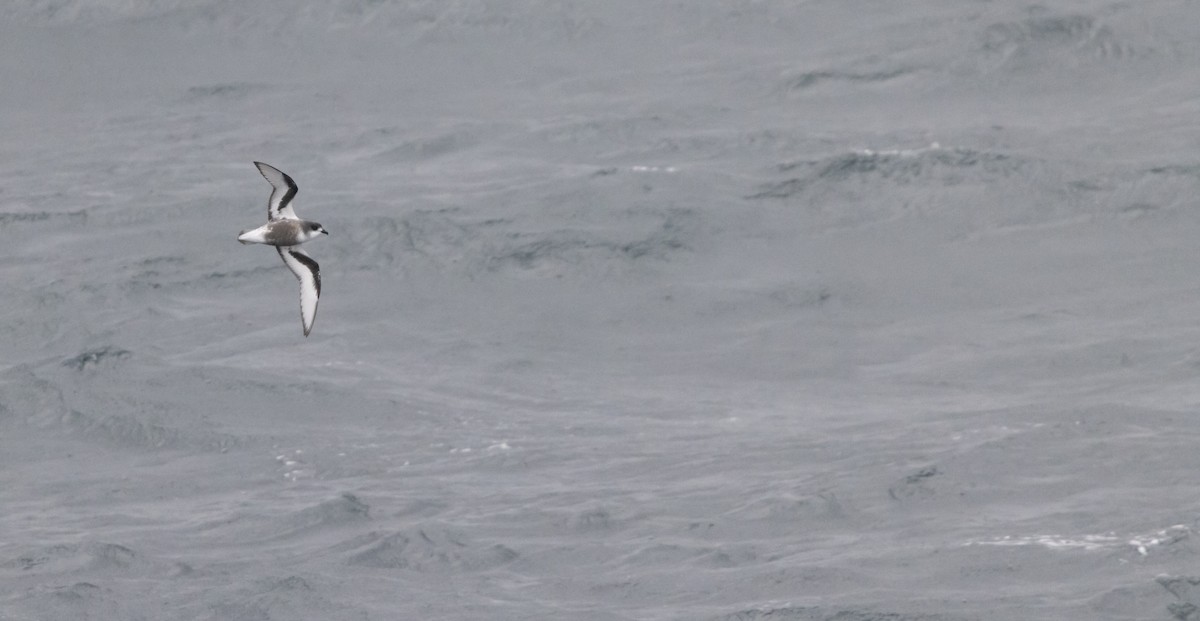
{"points": [[286, 232]]}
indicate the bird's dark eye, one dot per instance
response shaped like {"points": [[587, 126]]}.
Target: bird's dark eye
{"points": [[314, 226]]}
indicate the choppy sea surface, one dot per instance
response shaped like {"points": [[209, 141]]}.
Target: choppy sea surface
{"points": [[720, 310]]}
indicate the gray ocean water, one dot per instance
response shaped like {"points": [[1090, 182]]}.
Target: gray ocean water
{"points": [[715, 310]]}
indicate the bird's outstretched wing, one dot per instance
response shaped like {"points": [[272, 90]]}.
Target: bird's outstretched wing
{"points": [[279, 206], [309, 274]]}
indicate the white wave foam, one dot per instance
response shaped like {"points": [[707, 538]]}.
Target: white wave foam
{"points": [[1108, 541]]}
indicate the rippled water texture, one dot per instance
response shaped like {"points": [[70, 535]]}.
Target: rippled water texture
{"points": [[713, 310]]}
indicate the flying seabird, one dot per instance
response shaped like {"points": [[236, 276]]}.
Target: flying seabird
{"points": [[286, 232]]}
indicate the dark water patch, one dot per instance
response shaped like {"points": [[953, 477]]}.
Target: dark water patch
{"points": [[440, 234], [430, 147], [1139, 209], [946, 167], [82, 600], [72, 218], [1157, 188], [814, 613], [914, 485], [440, 237], [527, 20], [133, 432], [682, 141], [96, 357], [809, 80], [162, 260], [593, 520], [227, 91], [801, 297], [780, 512], [1063, 30], [431, 548], [292, 583], [289, 597], [562, 250], [781, 189], [1176, 170], [236, 274], [154, 272], [1046, 38], [522, 20], [730, 556], [84, 557], [783, 613], [172, 276], [565, 249], [1086, 185], [344, 510], [109, 556], [447, 239], [597, 132], [31, 560], [30, 398], [80, 591], [657, 245], [662, 554], [1186, 590]]}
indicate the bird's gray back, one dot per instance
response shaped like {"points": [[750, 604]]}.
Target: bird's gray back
{"points": [[285, 232]]}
